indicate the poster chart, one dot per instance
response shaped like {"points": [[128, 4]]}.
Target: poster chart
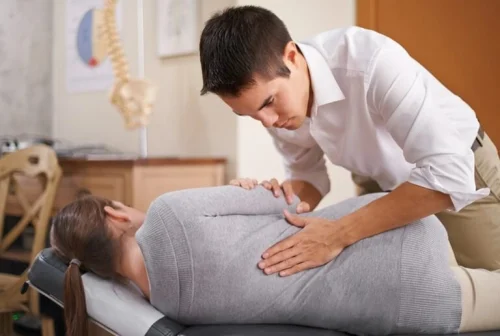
{"points": [[88, 67], [177, 27]]}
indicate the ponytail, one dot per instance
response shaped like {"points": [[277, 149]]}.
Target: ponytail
{"points": [[75, 307]]}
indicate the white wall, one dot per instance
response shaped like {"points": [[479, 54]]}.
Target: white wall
{"points": [[25, 68], [256, 154]]}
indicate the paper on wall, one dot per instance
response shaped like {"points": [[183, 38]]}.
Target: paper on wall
{"points": [[88, 67]]}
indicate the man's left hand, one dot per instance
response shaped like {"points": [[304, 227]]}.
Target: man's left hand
{"points": [[319, 242]]}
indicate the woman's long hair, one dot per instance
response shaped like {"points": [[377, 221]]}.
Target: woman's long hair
{"points": [[80, 236]]}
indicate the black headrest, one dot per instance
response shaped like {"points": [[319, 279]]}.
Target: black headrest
{"points": [[47, 273]]}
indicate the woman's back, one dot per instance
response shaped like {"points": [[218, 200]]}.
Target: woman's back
{"points": [[202, 247]]}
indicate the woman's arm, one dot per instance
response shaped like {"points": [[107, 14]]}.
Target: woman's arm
{"points": [[227, 200]]}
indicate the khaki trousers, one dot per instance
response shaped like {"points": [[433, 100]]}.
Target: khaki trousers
{"points": [[480, 297]]}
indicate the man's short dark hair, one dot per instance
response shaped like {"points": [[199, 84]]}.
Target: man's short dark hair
{"points": [[238, 43]]}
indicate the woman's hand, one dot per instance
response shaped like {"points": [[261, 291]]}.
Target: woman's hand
{"points": [[273, 186], [134, 216]]}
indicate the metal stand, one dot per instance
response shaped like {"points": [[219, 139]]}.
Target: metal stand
{"points": [[143, 132]]}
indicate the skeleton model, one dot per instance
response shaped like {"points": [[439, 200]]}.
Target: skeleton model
{"points": [[133, 97]]}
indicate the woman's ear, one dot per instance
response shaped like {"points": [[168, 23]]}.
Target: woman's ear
{"points": [[117, 215]]}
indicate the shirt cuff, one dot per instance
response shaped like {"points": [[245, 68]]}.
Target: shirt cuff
{"points": [[452, 178], [318, 180]]}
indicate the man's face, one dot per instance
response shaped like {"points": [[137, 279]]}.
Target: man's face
{"points": [[280, 102]]}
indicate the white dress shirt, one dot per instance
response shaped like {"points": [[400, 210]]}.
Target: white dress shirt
{"points": [[378, 113]]}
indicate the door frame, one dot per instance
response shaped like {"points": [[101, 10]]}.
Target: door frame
{"points": [[366, 13]]}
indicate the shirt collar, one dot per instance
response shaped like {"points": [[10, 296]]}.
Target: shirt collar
{"points": [[325, 87]]}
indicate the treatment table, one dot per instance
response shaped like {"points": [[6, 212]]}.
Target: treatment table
{"points": [[121, 310]]}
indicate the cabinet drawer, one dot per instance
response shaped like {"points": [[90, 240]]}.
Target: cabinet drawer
{"points": [[151, 182], [111, 186]]}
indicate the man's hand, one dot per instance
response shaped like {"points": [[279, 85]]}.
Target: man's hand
{"points": [[245, 183], [287, 190], [319, 242], [277, 189]]}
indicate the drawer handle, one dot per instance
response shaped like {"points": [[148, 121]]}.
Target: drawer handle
{"points": [[83, 192], [12, 189]]}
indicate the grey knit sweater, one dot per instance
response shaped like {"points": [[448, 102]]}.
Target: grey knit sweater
{"points": [[202, 246]]}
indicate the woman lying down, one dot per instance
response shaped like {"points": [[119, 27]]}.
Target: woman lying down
{"points": [[194, 255]]}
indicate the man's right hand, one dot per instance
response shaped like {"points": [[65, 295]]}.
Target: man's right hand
{"points": [[277, 189]]}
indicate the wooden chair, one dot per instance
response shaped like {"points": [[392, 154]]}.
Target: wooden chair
{"points": [[40, 162]]}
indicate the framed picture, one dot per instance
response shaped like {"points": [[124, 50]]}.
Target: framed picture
{"points": [[177, 27]]}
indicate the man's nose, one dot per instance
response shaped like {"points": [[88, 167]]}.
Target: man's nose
{"points": [[267, 118]]}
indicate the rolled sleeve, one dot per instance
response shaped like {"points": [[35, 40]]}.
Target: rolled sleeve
{"points": [[454, 178], [398, 92], [305, 163]]}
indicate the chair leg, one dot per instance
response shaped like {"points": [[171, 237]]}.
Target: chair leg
{"points": [[48, 326], [6, 324]]}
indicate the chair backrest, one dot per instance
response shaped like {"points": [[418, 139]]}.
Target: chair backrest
{"points": [[38, 161]]}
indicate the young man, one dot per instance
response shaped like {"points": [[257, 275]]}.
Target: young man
{"points": [[357, 97]]}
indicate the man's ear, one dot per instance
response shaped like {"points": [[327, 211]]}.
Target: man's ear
{"points": [[116, 214], [290, 54]]}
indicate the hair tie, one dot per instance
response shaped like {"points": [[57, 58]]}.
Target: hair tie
{"points": [[76, 262]]}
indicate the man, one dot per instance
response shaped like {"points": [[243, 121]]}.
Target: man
{"points": [[357, 97]]}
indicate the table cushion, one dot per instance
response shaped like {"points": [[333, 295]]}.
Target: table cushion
{"points": [[47, 276]]}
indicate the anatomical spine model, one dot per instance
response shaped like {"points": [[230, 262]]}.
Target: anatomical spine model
{"points": [[133, 97]]}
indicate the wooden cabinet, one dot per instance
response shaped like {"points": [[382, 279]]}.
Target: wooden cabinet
{"points": [[133, 182]]}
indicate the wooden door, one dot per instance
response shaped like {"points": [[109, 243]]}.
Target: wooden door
{"points": [[456, 40]]}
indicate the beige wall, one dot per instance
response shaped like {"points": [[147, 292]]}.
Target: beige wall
{"points": [[88, 117], [257, 156], [183, 123]]}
